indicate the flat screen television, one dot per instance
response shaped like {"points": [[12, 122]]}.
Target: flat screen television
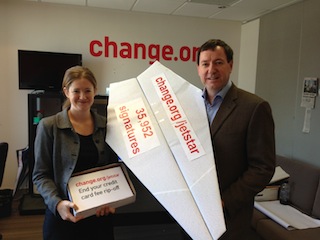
{"points": [[44, 70]]}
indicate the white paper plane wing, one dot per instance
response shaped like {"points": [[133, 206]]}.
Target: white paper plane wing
{"points": [[179, 109], [131, 125]]}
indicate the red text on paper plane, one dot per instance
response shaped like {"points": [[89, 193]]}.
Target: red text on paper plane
{"points": [[187, 137]]}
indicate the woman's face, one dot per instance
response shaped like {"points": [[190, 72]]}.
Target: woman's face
{"points": [[81, 94]]}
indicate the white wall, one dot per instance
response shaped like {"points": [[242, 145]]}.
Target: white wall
{"points": [[248, 55], [63, 28], [289, 51]]}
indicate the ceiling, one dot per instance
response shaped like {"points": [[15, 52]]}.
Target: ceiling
{"points": [[235, 10]]}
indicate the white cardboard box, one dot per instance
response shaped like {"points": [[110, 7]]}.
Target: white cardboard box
{"points": [[93, 188], [279, 174], [270, 193]]}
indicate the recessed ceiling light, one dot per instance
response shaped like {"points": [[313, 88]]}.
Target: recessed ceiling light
{"points": [[215, 2]]}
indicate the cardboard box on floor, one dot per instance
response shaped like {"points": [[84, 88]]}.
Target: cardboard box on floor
{"points": [[158, 126], [108, 185], [270, 192]]}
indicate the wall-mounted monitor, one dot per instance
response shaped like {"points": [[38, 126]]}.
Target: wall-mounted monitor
{"points": [[44, 70]]}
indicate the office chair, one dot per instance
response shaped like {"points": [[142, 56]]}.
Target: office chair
{"points": [[3, 157]]}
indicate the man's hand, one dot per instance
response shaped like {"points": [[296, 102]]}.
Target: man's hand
{"points": [[105, 210]]}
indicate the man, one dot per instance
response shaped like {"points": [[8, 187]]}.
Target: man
{"points": [[242, 132]]}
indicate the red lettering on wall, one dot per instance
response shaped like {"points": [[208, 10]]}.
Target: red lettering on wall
{"points": [[107, 44], [138, 46], [126, 50], [93, 51]]}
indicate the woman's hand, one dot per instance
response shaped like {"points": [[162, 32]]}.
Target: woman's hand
{"points": [[105, 210], [64, 208]]}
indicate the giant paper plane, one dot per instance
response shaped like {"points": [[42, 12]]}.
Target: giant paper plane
{"points": [[158, 126]]}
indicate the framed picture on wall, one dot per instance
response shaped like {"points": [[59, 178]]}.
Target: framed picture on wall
{"points": [[310, 87]]}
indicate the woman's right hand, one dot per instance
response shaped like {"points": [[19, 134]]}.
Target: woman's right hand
{"points": [[64, 208]]}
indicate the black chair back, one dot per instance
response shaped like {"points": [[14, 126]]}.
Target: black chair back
{"points": [[3, 157]]}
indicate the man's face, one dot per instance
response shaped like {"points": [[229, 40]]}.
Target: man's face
{"points": [[214, 70]]}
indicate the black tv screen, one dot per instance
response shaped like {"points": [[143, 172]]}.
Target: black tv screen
{"points": [[44, 70]]}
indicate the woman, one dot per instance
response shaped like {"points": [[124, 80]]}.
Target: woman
{"points": [[71, 141]]}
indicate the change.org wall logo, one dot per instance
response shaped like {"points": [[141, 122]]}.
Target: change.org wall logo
{"points": [[111, 49]]}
